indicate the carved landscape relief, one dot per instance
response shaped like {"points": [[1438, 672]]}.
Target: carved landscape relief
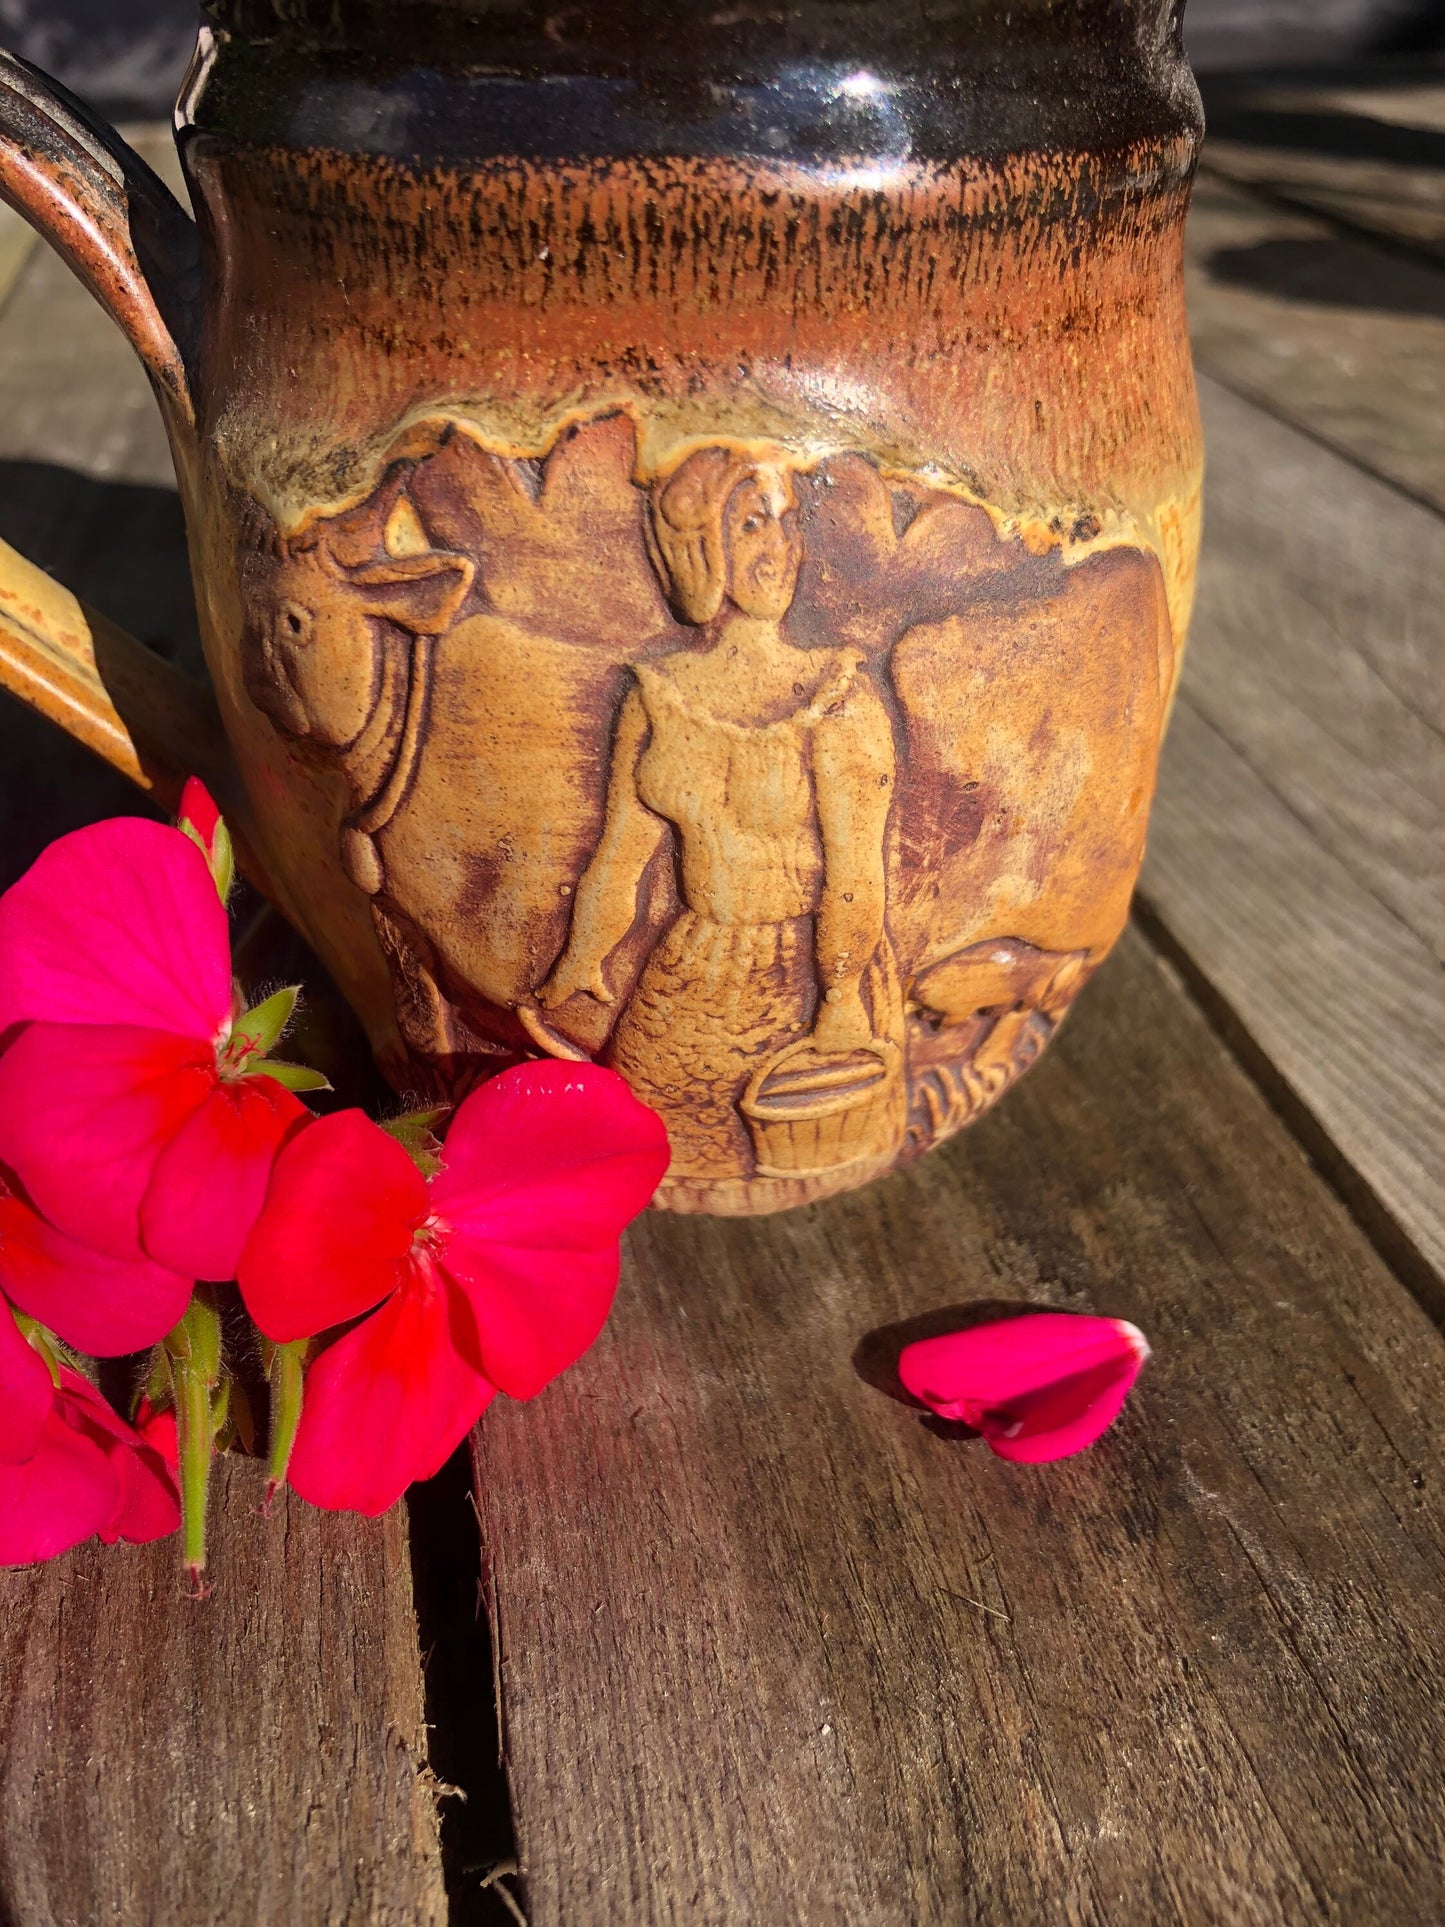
{"points": [[795, 792]]}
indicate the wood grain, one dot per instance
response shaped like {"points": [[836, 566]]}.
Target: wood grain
{"points": [[1342, 337], [17, 239], [773, 1648], [1294, 851], [1317, 650], [1399, 204], [105, 689], [257, 1757], [1368, 158]]}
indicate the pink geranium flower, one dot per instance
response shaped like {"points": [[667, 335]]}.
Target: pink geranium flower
{"points": [[495, 1274], [69, 1467], [1037, 1387], [99, 1304], [134, 1105]]}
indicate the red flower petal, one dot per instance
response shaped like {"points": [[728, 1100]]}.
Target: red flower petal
{"points": [[545, 1165], [340, 1216], [60, 1496], [210, 1180], [26, 1393], [118, 923], [536, 1311], [390, 1401], [150, 1505], [85, 1111], [101, 1305], [550, 1154], [1038, 1387], [147, 1502], [159, 1430]]}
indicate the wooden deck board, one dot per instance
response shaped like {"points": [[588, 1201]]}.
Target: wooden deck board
{"points": [[771, 1648], [1342, 337], [1370, 158], [17, 240], [830, 1666], [1295, 849], [257, 1758]]}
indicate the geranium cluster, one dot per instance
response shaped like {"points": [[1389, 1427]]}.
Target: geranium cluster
{"points": [[154, 1150]]}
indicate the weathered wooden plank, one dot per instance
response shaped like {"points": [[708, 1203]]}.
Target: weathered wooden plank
{"points": [[1417, 102], [1345, 338], [17, 238], [1317, 647], [772, 1647], [260, 1757], [1369, 159], [257, 1757], [1295, 848]]}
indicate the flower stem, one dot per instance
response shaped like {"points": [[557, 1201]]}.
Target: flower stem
{"points": [[194, 1349], [193, 1421], [288, 1370]]}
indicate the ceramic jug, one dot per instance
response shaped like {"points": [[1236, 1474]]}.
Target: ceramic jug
{"points": [[693, 511]]}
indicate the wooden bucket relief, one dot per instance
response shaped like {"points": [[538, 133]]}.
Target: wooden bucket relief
{"points": [[813, 1111]]}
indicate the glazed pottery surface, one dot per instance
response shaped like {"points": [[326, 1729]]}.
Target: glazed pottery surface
{"points": [[693, 514]]}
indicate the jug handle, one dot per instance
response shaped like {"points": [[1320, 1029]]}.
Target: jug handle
{"points": [[121, 230]]}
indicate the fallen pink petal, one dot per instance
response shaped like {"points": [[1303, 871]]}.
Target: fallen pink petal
{"points": [[1038, 1387]]}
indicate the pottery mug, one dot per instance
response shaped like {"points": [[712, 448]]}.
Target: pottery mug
{"points": [[693, 512]]}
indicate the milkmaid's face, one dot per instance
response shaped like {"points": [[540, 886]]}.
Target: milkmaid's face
{"points": [[764, 549]]}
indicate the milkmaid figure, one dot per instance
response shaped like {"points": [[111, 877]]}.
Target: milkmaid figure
{"points": [[766, 1025]]}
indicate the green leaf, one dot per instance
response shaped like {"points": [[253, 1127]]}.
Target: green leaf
{"points": [[259, 1029], [416, 1133], [295, 1077]]}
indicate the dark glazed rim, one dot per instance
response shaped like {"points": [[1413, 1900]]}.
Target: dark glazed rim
{"points": [[436, 81]]}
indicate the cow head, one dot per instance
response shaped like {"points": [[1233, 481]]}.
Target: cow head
{"points": [[322, 605]]}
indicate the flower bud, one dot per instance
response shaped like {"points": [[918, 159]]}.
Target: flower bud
{"points": [[202, 822]]}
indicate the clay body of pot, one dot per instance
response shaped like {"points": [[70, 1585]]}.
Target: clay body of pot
{"points": [[694, 519]]}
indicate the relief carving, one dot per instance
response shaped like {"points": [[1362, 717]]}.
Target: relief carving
{"points": [[797, 793], [771, 999]]}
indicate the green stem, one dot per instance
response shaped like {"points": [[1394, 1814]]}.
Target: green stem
{"points": [[194, 1442], [288, 1370], [194, 1348]]}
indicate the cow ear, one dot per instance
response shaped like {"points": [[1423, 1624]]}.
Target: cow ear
{"points": [[420, 593]]}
